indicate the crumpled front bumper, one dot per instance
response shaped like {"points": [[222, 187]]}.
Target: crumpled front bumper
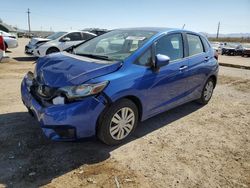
{"points": [[65, 121]]}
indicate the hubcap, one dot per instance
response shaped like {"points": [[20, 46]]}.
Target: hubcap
{"points": [[208, 90], [122, 123]]}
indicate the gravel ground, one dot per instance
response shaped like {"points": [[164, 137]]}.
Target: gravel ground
{"points": [[189, 146]]}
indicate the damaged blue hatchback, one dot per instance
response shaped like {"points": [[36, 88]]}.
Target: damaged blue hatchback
{"points": [[104, 86]]}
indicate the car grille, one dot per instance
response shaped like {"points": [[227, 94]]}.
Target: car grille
{"points": [[42, 93]]}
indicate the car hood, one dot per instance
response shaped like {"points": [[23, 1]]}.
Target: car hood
{"points": [[65, 69], [33, 41]]}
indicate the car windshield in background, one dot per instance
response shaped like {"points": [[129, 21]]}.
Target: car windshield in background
{"points": [[114, 45], [215, 44], [56, 35], [232, 45], [246, 45]]}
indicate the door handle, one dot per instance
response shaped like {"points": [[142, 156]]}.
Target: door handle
{"points": [[183, 67]]}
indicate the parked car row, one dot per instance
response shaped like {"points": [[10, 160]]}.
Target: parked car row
{"points": [[56, 42], [103, 87], [10, 41], [233, 49]]}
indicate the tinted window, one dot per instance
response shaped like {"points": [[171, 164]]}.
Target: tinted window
{"points": [[170, 45], [74, 36], [86, 36], [145, 59], [194, 44], [205, 44]]}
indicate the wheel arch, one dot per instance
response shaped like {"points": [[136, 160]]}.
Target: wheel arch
{"points": [[133, 98], [214, 78], [52, 47]]}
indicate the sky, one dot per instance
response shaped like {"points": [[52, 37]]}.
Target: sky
{"points": [[61, 15]]}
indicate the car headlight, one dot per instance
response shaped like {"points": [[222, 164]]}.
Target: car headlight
{"points": [[29, 79], [83, 90]]}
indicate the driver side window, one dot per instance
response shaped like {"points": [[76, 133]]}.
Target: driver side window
{"points": [[170, 45]]}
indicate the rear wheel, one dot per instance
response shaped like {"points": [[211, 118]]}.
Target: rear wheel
{"points": [[207, 91], [118, 122], [52, 50]]}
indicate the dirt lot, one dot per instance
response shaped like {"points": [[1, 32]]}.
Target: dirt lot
{"points": [[190, 146]]}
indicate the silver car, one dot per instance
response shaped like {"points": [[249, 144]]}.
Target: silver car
{"points": [[9, 40], [2, 47]]}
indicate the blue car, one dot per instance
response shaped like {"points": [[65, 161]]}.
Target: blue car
{"points": [[105, 86]]}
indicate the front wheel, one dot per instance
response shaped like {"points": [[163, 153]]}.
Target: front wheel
{"points": [[117, 122], [52, 50], [207, 91]]}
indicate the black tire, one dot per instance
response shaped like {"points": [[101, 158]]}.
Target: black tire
{"points": [[52, 50], [105, 121], [204, 99]]}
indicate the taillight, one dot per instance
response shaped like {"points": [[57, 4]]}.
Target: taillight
{"points": [[2, 47]]}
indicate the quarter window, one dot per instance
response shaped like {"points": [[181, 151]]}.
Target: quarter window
{"points": [[146, 58], [86, 36], [170, 45], [194, 44]]}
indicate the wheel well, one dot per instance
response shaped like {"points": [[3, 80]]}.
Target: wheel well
{"points": [[53, 47], [137, 103], [134, 99], [214, 79]]}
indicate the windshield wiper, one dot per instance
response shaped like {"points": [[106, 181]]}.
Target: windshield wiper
{"points": [[95, 56]]}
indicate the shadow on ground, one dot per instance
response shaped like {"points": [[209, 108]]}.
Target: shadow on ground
{"points": [[25, 150], [25, 58]]}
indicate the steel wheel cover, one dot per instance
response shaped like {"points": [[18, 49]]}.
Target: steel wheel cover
{"points": [[122, 123]]}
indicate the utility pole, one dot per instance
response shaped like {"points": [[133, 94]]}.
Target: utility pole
{"points": [[218, 30], [28, 12]]}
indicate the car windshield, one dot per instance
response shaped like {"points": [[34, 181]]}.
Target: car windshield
{"points": [[55, 35], [232, 45], [114, 45], [246, 45], [215, 44]]}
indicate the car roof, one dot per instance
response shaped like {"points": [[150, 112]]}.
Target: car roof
{"points": [[81, 32], [158, 29]]}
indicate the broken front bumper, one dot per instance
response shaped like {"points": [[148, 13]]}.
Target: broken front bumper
{"points": [[65, 121]]}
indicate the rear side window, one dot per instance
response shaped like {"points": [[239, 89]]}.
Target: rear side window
{"points": [[86, 36], [170, 45], [194, 44], [74, 36], [205, 44]]}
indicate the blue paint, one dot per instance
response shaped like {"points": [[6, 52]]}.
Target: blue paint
{"points": [[157, 91]]}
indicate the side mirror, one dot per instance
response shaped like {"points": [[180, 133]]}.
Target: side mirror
{"points": [[161, 60], [65, 39]]}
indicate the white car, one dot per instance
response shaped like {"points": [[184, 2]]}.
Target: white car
{"points": [[2, 47], [10, 40], [58, 42]]}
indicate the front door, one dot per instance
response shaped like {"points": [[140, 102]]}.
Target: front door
{"points": [[166, 87]]}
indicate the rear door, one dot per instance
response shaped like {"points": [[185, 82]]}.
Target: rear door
{"points": [[198, 58]]}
